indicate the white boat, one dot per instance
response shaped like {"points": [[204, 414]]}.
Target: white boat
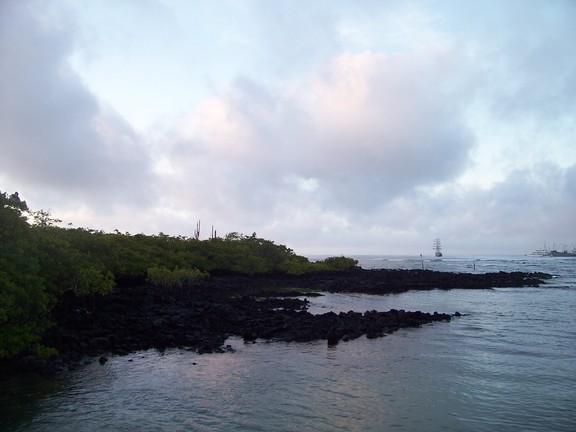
{"points": [[437, 248], [540, 252]]}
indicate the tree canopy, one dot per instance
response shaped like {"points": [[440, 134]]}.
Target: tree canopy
{"points": [[40, 261]]}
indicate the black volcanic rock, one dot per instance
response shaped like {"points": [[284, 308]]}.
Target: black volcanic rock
{"points": [[202, 316]]}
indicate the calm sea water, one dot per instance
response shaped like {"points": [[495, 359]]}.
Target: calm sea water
{"points": [[508, 365]]}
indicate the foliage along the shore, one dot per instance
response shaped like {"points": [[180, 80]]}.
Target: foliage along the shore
{"points": [[40, 261], [165, 278], [24, 299]]}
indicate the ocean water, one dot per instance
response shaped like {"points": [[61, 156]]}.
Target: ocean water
{"points": [[508, 364]]}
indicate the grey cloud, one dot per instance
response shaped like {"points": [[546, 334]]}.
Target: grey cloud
{"points": [[570, 184], [361, 149], [53, 131], [516, 215], [409, 135]]}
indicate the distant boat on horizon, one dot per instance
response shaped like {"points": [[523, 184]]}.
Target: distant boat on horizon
{"points": [[437, 248], [565, 253], [554, 252], [540, 252]]}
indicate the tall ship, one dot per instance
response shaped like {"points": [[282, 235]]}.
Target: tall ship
{"points": [[437, 247]]}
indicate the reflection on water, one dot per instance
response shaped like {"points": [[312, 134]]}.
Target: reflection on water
{"points": [[21, 394], [508, 365]]}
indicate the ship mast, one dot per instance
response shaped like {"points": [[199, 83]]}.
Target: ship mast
{"points": [[437, 247]]}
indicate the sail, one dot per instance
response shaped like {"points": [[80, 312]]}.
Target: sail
{"points": [[437, 247]]}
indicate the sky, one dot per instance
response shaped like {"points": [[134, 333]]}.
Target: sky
{"points": [[330, 126]]}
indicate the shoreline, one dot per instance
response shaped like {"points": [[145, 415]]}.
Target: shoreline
{"points": [[202, 316]]}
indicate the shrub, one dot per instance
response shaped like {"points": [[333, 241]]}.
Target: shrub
{"points": [[338, 263], [165, 278], [90, 281]]}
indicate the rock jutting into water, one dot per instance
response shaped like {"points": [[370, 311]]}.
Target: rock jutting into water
{"points": [[202, 316]]}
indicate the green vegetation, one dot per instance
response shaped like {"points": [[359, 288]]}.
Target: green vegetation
{"points": [[337, 263], [40, 261], [24, 300], [164, 278]]}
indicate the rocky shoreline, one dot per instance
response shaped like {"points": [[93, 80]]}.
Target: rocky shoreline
{"points": [[202, 316]]}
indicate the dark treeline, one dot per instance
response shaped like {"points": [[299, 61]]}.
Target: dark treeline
{"points": [[40, 262]]}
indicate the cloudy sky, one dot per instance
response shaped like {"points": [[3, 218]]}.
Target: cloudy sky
{"points": [[330, 126]]}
